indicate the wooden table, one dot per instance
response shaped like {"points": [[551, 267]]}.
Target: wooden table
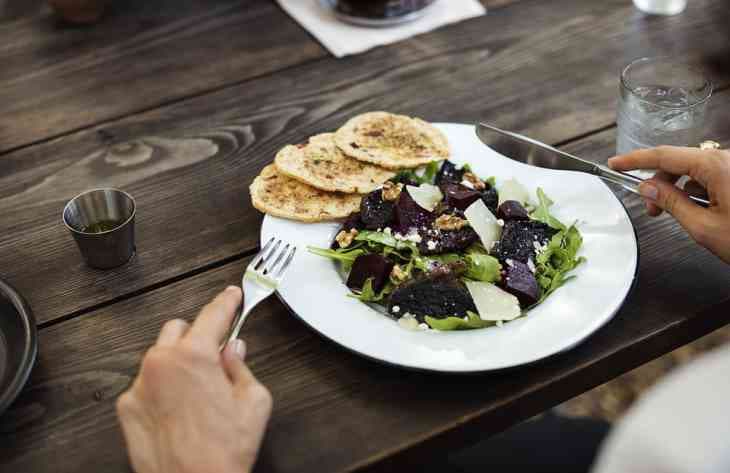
{"points": [[182, 102]]}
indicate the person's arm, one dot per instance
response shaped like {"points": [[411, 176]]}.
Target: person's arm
{"points": [[192, 409], [681, 425]]}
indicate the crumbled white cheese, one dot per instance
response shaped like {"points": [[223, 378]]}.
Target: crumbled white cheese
{"points": [[396, 309], [531, 265], [413, 236], [500, 222], [509, 262], [387, 231], [468, 184], [538, 247], [431, 245], [424, 326]]}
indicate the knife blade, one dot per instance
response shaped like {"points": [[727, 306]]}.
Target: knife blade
{"points": [[535, 153]]}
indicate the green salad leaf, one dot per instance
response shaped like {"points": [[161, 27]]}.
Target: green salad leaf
{"points": [[385, 239], [482, 267], [491, 180], [368, 294], [427, 177], [557, 260], [456, 323], [346, 256], [542, 211]]}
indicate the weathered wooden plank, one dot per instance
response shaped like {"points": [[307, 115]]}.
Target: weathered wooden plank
{"points": [[333, 410], [56, 78], [554, 78]]}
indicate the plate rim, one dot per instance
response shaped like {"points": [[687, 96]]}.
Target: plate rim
{"points": [[523, 364], [30, 351]]}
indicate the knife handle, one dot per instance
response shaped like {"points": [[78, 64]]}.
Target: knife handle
{"points": [[631, 183]]}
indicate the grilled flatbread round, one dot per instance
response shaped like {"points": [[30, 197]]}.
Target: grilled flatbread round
{"points": [[321, 164], [392, 141], [281, 196]]}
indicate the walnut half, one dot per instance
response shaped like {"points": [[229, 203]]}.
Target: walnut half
{"points": [[391, 190], [449, 222], [344, 238], [475, 182]]}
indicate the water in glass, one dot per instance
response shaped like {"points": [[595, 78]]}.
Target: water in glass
{"points": [[655, 115]]}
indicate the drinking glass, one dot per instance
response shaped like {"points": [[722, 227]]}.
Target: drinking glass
{"points": [[661, 102]]}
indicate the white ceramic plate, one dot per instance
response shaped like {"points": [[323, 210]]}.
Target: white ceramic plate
{"points": [[314, 290]]}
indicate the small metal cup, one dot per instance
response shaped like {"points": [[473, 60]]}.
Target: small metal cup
{"points": [[107, 249]]}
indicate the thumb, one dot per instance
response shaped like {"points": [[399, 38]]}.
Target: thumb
{"points": [[670, 198]]}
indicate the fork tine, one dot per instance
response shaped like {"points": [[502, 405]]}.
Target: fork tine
{"points": [[285, 265], [270, 267], [267, 256], [261, 253]]}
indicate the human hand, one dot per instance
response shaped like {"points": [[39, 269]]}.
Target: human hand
{"points": [[709, 169], [192, 409]]}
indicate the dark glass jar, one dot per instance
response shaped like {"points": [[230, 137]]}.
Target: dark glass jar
{"points": [[379, 11]]}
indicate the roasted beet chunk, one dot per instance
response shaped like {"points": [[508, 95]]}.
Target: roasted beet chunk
{"points": [[369, 266], [408, 214], [375, 212], [491, 199], [458, 196], [512, 210], [449, 173], [521, 283], [519, 239], [434, 242], [439, 297]]}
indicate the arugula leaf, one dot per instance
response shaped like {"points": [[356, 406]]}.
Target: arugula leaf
{"points": [[429, 175], [425, 263], [491, 180], [557, 260], [386, 239], [482, 267], [346, 256], [368, 294], [472, 321], [542, 211]]}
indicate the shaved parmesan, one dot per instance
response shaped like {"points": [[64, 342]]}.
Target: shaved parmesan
{"points": [[426, 195], [492, 302], [513, 190], [484, 223]]}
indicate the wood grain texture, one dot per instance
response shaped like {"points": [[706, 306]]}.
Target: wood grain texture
{"points": [[528, 66], [56, 78], [332, 408]]}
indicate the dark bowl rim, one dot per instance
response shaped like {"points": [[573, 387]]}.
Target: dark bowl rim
{"points": [[30, 349]]}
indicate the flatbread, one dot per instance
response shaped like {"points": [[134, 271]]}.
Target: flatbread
{"points": [[281, 196], [392, 141], [321, 164]]}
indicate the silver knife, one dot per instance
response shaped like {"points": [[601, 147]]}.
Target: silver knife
{"points": [[529, 151]]}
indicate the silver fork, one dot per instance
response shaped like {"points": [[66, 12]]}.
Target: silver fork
{"points": [[261, 278]]}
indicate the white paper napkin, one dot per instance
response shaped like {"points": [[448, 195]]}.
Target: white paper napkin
{"points": [[343, 39]]}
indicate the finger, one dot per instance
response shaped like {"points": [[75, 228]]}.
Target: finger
{"points": [[215, 319], [653, 209], [172, 331], [694, 162], [675, 201], [235, 368]]}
